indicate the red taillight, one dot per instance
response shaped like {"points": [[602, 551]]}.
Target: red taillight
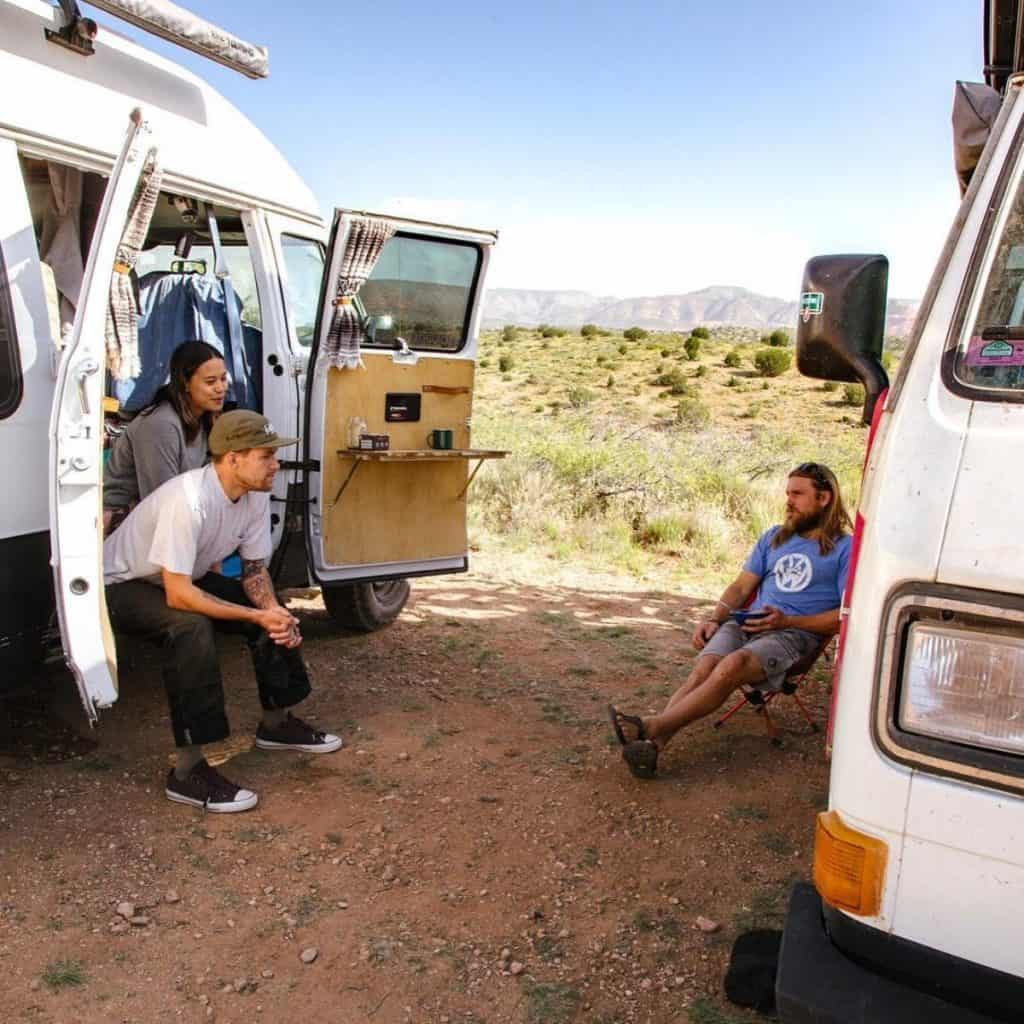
{"points": [[858, 531]]}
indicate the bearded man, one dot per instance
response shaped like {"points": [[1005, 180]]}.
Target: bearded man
{"points": [[796, 575]]}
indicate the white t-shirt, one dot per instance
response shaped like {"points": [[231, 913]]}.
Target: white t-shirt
{"points": [[186, 526]]}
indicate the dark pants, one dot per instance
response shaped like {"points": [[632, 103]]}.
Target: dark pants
{"points": [[191, 668]]}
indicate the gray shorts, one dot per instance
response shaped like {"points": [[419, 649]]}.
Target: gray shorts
{"points": [[778, 651]]}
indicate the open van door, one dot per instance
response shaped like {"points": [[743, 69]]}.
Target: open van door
{"points": [[393, 359], [76, 446]]}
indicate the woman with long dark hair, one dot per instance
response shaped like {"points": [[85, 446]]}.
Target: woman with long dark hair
{"points": [[170, 435]]}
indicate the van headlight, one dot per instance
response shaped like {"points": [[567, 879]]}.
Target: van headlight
{"points": [[963, 686]]}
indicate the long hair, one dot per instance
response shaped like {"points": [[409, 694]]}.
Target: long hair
{"points": [[835, 521], [186, 359]]}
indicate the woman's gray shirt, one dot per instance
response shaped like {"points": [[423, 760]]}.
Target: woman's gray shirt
{"points": [[150, 450]]}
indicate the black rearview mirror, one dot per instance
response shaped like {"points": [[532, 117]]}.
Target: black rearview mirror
{"points": [[841, 326]]}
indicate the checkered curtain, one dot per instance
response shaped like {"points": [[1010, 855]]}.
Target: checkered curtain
{"points": [[122, 332], [366, 238]]}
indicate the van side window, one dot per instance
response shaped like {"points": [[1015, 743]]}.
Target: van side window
{"points": [[10, 363], [991, 357], [304, 268], [426, 286]]}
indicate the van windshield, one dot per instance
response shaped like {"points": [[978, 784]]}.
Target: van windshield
{"points": [[990, 356]]}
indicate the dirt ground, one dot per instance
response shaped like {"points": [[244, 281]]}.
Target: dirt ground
{"points": [[477, 852]]}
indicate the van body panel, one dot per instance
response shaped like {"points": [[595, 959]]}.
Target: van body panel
{"points": [[23, 508], [983, 546], [76, 453], [204, 140]]}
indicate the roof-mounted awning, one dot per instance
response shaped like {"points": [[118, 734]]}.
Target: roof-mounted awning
{"points": [[171, 22]]}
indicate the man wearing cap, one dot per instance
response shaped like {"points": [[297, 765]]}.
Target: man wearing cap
{"points": [[160, 568]]}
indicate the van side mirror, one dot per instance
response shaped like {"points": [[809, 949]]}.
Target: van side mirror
{"points": [[841, 326]]}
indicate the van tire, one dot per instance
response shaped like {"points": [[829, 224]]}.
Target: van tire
{"points": [[366, 607]]}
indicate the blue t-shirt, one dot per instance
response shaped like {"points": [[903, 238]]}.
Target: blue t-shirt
{"points": [[796, 577]]}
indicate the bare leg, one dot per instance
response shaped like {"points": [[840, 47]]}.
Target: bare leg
{"points": [[737, 669], [698, 674]]}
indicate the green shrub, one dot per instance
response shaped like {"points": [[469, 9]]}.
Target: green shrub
{"points": [[509, 332], [545, 344], [853, 394], [553, 332], [702, 370], [732, 382], [830, 385], [771, 362], [692, 346], [779, 339], [634, 334], [674, 380], [484, 363], [700, 332], [601, 360], [505, 363], [665, 353], [693, 413], [590, 330], [623, 349], [733, 358], [764, 385], [610, 383], [579, 396]]}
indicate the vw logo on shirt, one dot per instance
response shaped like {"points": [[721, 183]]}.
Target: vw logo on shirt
{"points": [[793, 573]]}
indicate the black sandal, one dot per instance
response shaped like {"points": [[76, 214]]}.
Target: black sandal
{"points": [[614, 716], [641, 756]]}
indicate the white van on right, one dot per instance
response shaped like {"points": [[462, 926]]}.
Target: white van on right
{"points": [[917, 908]]}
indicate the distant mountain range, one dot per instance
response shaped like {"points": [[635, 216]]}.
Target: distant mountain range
{"points": [[717, 305]]}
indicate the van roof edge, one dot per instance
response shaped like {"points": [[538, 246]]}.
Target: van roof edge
{"points": [[177, 25]]}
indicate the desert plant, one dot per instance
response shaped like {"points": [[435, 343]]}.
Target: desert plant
{"points": [[733, 358], [693, 413], [830, 385], [579, 396], [700, 332], [484, 363], [505, 363], [853, 394], [610, 383], [547, 331], [674, 380], [778, 339], [509, 332], [623, 349], [692, 346], [732, 382], [702, 370], [590, 330], [634, 334], [771, 362]]}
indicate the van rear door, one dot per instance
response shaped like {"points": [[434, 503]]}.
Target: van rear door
{"points": [[383, 515], [76, 446]]}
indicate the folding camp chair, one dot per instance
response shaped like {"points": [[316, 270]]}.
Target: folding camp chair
{"points": [[759, 701]]}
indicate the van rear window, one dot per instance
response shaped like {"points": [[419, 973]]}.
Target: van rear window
{"points": [[10, 363]]}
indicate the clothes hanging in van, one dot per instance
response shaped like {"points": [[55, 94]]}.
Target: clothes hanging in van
{"points": [[185, 307]]}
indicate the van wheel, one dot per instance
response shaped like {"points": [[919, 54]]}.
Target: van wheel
{"points": [[366, 606]]}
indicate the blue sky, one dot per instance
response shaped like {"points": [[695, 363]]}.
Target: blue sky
{"points": [[626, 151]]}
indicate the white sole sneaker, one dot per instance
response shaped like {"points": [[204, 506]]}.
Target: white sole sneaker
{"points": [[328, 746], [245, 800]]}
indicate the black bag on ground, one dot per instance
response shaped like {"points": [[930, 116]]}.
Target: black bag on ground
{"points": [[750, 979]]}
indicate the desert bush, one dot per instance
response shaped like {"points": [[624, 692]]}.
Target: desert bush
{"points": [[634, 334], [733, 358], [830, 385], [692, 346], [590, 330], [610, 382], [778, 339], [771, 362], [553, 332], [665, 353], [674, 380], [623, 349], [601, 360], [700, 332], [853, 394], [732, 382], [702, 370], [484, 363], [509, 332], [505, 363], [579, 396], [693, 413]]}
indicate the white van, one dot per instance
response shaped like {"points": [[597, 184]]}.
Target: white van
{"points": [[235, 252], [917, 912]]}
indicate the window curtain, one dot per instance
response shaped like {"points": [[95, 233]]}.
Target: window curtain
{"points": [[122, 332], [61, 242], [363, 246]]}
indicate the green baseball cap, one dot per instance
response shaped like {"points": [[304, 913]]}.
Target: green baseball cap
{"points": [[241, 429]]}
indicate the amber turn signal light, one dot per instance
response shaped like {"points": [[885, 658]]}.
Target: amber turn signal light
{"points": [[849, 866]]}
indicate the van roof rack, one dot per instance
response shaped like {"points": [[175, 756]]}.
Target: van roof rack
{"points": [[1004, 45], [168, 21]]}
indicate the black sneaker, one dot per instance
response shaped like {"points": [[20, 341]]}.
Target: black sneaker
{"points": [[205, 787], [295, 734]]}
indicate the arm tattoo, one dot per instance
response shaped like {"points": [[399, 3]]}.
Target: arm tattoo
{"points": [[257, 585]]}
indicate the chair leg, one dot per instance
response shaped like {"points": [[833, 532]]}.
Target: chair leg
{"points": [[725, 718], [807, 715], [769, 723]]}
